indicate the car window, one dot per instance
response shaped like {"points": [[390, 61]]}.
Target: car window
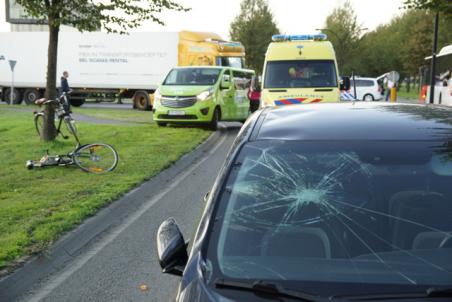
{"points": [[241, 79], [363, 83], [375, 213]]}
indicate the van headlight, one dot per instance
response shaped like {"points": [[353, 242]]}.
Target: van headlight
{"points": [[157, 98], [205, 95]]}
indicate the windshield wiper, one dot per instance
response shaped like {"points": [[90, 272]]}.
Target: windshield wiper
{"points": [[432, 292], [266, 289]]}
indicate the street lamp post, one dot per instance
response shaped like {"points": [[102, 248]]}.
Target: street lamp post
{"points": [[433, 64]]}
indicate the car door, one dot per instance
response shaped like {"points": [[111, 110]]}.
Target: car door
{"points": [[241, 102], [228, 107]]}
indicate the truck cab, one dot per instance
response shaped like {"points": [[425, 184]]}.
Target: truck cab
{"points": [[209, 49], [300, 69]]}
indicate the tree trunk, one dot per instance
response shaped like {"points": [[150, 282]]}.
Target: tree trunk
{"points": [[408, 83], [49, 131]]}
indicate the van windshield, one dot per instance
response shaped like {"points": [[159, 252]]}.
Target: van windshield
{"points": [[193, 76], [300, 74]]}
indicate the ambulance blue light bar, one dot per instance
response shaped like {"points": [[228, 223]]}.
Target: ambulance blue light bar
{"points": [[282, 38]]}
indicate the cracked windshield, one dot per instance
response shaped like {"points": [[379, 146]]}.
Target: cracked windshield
{"points": [[338, 212], [235, 150]]}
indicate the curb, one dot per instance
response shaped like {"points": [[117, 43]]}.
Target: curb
{"points": [[72, 244]]}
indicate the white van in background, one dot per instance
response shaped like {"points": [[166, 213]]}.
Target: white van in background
{"points": [[367, 89]]}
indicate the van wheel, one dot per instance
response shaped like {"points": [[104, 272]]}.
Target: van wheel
{"points": [[213, 125], [368, 98]]}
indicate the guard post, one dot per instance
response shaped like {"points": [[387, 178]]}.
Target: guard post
{"points": [[394, 77]]}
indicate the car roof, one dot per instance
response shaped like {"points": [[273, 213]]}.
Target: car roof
{"points": [[354, 121], [215, 67]]}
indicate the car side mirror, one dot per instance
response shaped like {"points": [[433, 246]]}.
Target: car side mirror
{"points": [[172, 248], [345, 84], [225, 82]]}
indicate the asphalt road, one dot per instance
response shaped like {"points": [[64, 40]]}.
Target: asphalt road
{"points": [[108, 105], [121, 264]]}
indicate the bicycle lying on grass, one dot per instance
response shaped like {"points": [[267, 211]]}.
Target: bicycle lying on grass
{"points": [[95, 158]]}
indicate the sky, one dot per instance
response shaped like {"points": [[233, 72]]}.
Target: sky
{"points": [[291, 16]]}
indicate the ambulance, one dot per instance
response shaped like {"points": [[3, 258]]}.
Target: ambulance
{"points": [[300, 69]]}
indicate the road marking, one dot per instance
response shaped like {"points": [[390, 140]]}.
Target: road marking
{"points": [[98, 246]]}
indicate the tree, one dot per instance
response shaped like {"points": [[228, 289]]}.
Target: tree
{"points": [[344, 33], [254, 28], [115, 16], [441, 6], [401, 45]]}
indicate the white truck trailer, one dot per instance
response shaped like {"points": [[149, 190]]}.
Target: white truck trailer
{"points": [[107, 66]]}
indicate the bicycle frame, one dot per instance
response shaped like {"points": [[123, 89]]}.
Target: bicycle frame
{"points": [[95, 158], [63, 113]]}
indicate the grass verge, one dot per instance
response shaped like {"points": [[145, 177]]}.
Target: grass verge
{"points": [[413, 94], [38, 206], [122, 115]]}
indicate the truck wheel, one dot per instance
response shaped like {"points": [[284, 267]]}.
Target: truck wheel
{"points": [[141, 100], [17, 99], [76, 102], [31, 95]]}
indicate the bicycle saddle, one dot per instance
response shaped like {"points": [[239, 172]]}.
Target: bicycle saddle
{"points": [[39, 102]]}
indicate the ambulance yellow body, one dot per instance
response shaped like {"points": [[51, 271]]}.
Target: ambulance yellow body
{"points": [[300, 69]]}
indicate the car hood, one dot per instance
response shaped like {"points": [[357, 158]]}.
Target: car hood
{"points": [[169, 90]]}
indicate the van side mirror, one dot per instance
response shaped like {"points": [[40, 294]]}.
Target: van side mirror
{"points": [[225, 82], [345, 83], [171, 248]]}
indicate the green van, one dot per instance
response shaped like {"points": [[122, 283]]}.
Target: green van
{"points": [[203, 95]]}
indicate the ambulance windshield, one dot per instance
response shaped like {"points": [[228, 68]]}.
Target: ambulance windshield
{"points": [[300, 74]]}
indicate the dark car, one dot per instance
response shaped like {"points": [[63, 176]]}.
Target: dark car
{"points": [[326, 202]]}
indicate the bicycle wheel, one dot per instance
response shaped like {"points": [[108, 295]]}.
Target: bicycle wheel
{"points": [[70, 125], [96, 158], [39, 122]]}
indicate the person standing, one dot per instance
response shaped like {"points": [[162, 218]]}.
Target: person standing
{"points": [[64, 88], [64, 83], [254, 94], [390, 85]]}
